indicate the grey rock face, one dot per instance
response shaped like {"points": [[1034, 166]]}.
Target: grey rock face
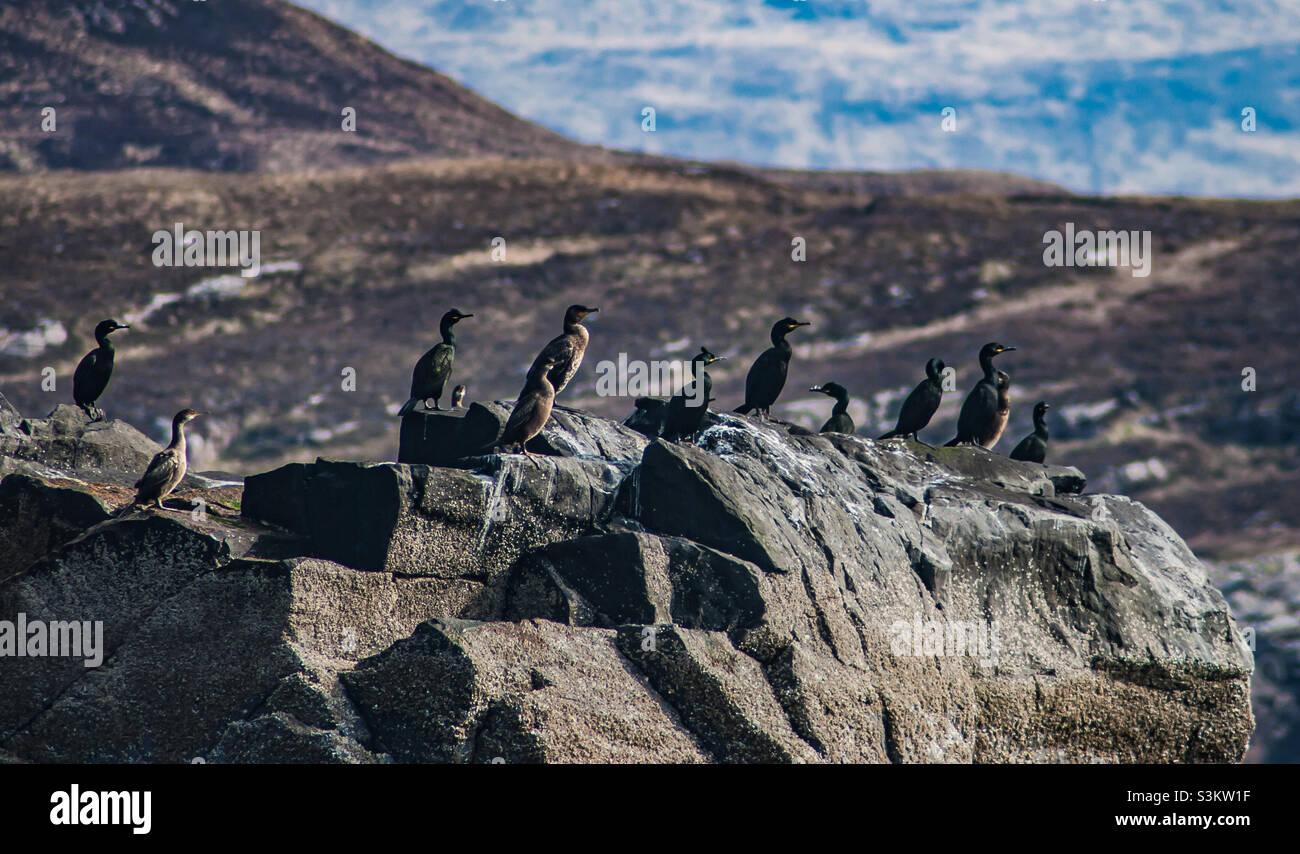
{"points": [[764, 595]]}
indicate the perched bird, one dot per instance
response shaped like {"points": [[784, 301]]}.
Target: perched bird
{"points": [[95, 369], [648, 417], [978, 423], [566, 350], [532, 409], [685, 412], [839, 422], [766, 376], [167, 469], [921, 404], [458, 397], [434, 368], [1033, 448]]}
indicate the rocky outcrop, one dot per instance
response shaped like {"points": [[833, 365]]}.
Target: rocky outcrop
{"points": [[765, 595]]}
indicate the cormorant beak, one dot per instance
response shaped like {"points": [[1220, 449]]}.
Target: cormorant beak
{"points": [[463, 316], [717, 359], [123, 326], [1006, 349]]}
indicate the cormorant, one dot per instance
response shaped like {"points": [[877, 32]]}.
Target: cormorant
{"points": [[95, 369], [921, 404], [766, 376], [978, 422], [532, 409], [458, 397], [1033, 448], [167, 469], [434, 368], [685, 412], [565, 351], [839, 422], [648, 417]]}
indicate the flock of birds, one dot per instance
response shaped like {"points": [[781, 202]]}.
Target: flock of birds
{"points": [[981, 423], [982, 420]]}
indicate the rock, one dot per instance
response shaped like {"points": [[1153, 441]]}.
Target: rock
{"points": [[524, 692], [68, 441], [763, 595], [630, 577], [443, 438]]}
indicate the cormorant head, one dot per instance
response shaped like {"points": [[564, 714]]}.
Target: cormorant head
{"points": [[186, 415], [105, 327], [453, 316], [1040, 409], [934, 369], [576, 313], [785, 326], [707, 357], [988, 351], [834, 390]]}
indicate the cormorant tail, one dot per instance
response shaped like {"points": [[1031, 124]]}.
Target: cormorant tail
{"points": [[891, 434], [743, 409], [409, 406], [956, 440]]}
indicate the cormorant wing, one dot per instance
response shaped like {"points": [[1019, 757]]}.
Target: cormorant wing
{"points": [[163, 469]]}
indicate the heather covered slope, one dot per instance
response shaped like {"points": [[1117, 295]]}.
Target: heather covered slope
{"points": [[239, 85]]}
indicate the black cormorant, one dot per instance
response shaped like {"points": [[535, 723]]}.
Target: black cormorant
{"points": [[565, 351], [532, 409], [766, 376], [685, 412], [95, 369], [434, 368], [839, 422], [1033, 448], [921, 404], [978, 422], [458, 397], [648, 417], [167, 469]]}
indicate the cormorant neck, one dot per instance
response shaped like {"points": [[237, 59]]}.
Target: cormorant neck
{"points": [[178, 434], [986, 363], [448, 335], [105, 343], [1040, 426], [841, 404], [933, 375]]}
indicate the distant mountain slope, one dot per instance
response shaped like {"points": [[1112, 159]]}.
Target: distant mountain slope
{"points": [[237, 85]]}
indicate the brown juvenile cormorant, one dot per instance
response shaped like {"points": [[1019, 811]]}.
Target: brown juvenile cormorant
{"points": [[565, 351], [95, 369], [685, 412], [458, 397], [921, 404], [532, 409], [167, 469], [978, 422], [766, 376], [839, 422], [434, 368], [1033, 448], [1004, 411]]}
